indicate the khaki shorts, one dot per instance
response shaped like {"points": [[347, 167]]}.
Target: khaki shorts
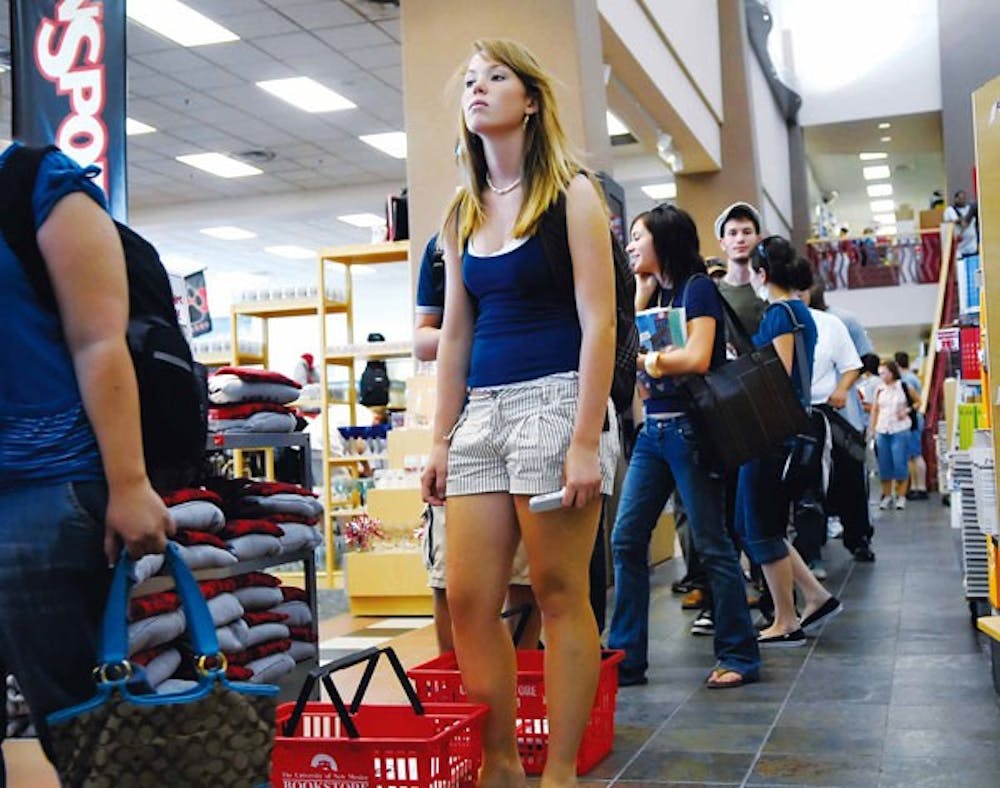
{"points": [[514, 438], [433, 544]]}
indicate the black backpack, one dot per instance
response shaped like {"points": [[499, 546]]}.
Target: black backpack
{"points": [[374, 385], [555, 241], [173, 395]]}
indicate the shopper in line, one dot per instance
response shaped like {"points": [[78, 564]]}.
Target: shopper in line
{"points": [[763, 500], [847, 494], [535, 366], [836, 367], [738, 231], [669, 455], [916, 465], [73, 485], [890, 423], [426, 336]]}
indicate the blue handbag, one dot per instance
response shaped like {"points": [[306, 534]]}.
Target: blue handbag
{"points": [[219, 733]]}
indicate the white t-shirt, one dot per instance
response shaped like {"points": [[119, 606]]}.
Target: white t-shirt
{"points": [[834, 355], [968, 238]]}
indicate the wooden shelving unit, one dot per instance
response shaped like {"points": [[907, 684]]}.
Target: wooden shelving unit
{"points": [[348, 257]]}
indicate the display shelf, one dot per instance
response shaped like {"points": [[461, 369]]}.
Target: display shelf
{"points": [[219, 441], [292, 307], [367, 254], [348, 257], [367, 355], [354, 458]]}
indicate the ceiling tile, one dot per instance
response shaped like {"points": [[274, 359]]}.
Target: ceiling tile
{"points": [[265, 22], [349, 37], [171, 60], [319, 13], [377, 56], [392, 27]]}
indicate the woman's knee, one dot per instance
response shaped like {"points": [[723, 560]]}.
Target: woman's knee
{"points": [[558, 593]]}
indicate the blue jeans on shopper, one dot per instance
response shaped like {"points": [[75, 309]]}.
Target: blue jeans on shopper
{"points": [[893, 450], [665, 458], [53, 585]]}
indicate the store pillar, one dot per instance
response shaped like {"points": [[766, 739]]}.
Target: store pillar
{"points": [[565, 37], [704, 195]]}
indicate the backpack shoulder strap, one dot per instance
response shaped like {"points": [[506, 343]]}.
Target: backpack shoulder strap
{"points": [[733, 325], [800, 350], [554, 235], [17, 219]]}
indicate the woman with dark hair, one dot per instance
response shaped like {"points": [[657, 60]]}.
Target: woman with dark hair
{"points": [[762, 499], [890, 424], [668, 456]]}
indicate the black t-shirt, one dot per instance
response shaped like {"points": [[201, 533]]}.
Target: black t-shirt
{"points": [[700, 298]]}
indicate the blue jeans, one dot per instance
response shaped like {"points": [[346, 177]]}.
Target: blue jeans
{"points": [[892, 450], [53, 585], [762, 508], [665, 458]]}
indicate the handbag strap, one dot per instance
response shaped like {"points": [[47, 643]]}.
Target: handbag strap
{"points": [[114, 632], [800, 353], [734, 327]]}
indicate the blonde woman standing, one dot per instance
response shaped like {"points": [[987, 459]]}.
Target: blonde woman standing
{"points": [[524, 374]]}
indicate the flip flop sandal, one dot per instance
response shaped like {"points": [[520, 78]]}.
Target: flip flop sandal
{"points": [[714, 680]]}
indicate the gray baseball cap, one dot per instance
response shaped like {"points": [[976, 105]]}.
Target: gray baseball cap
{"points": [[724, 216]]}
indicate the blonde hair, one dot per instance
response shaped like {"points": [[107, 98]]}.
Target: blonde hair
{"points": [[549, 163]]}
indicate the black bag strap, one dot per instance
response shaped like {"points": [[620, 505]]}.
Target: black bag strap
{"points": [[17, 217], [733, 325], [800, 353]]}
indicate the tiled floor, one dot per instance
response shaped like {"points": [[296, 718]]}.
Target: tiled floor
{"points": [[894, 692]]}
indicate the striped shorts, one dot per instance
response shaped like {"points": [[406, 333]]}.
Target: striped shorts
{"points": [[514, 438]]}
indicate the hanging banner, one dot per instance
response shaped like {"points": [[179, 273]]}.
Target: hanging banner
{"points": [[197, 303], [68, 75]]}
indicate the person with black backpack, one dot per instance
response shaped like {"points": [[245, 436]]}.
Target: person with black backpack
{"points": [[73, 482], [669, 455], [525, 371]]}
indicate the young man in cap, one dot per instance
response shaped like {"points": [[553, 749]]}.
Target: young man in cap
{"points": [[738, 231]]}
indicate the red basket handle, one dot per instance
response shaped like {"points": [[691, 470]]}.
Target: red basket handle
{"points": [[323, 674]]}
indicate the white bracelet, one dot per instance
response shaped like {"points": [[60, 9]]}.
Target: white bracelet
{"points": [[649, 362]]}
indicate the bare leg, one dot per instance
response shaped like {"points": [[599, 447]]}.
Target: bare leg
{"points": [[482, 536], [814, 594], [442, 621], [780, 581], [559, 544]]}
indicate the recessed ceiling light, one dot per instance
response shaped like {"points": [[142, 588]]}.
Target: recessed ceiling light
{"points": [[176, 21], [134, 127], [178, 264], [362, 219], [615, 126], [228, 233], [873, 156], [885, 125], [876, 173], [306, 94], [219, 164], [391, 142], [881, 206], [661, 191], [887, 229], [291, 252], [880, 190], [884, 218], [885, 139]]}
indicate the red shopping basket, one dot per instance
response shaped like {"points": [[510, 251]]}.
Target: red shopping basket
{"points": [[440, 681], [319, 745]]}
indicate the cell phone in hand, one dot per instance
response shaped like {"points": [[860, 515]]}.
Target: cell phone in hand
{"points": [[546, 502]]}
